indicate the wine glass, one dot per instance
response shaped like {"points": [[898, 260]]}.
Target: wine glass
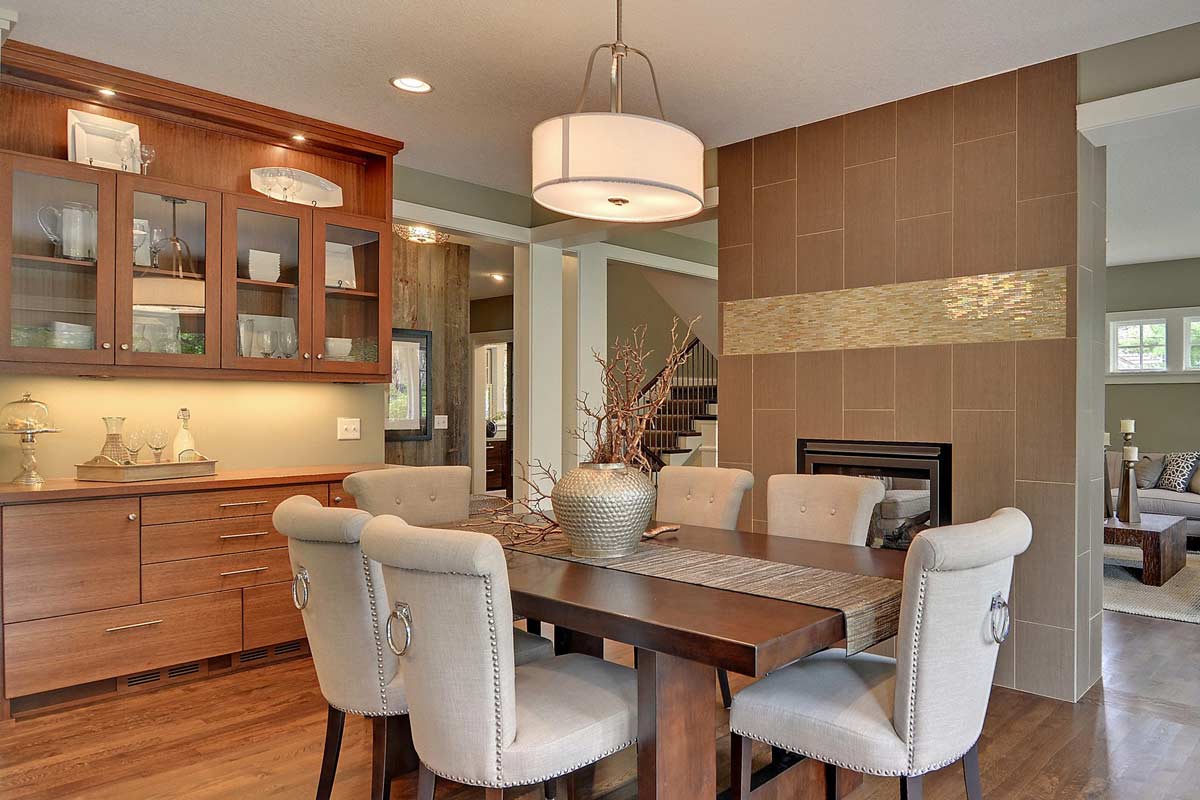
{"points": [[285, 179], [267, 343], [288, 344], [135, 440], [128, 152], [147, 153], [157, 439]]}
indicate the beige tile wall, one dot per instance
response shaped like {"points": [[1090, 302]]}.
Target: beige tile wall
{"points": [[978, 179]]}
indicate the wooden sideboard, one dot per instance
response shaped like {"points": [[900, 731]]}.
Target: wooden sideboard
{"points": [[107, 588]]}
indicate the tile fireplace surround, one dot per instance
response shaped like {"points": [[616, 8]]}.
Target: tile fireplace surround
{"points": [[986, 184]]}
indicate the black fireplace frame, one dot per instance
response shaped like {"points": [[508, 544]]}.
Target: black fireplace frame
{"points": [[933, 457]]}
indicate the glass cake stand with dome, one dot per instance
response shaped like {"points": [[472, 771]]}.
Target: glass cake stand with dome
{"points": [[27, 418]]}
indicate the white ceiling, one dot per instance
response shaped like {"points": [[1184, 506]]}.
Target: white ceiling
{"points": [[1154, 198], [728, 70], [488, 259], [705, 230]]}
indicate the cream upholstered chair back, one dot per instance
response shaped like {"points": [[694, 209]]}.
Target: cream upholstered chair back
{"points": [[708, 496], [344, 604], [418, 495], [458, 668], [831, 508], [947, 645]]}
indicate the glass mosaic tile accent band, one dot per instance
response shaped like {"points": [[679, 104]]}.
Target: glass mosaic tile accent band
{"points": [[997, 307]]}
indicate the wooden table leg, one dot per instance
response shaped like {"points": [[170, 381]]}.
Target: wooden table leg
{"points": [[677, 743], [569, 641], [1163, 555]]}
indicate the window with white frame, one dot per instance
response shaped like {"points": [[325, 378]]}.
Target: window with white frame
{"points": [[1140, 345], [1154, 345]]}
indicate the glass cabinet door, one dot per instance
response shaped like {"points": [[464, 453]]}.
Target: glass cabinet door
{"points": [[352, 310], [267, 269], [168, 274], [56, 235]]}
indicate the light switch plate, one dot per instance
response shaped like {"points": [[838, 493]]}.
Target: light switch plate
{"points": [[441, 421], [349, 429]]}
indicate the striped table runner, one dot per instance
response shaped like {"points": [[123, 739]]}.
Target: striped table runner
{"points": [[870, 604]]}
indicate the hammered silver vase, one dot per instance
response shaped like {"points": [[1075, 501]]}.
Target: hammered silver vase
{"points": [[603, 508]]}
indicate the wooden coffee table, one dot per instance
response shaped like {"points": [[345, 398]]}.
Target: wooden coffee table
{"points": [[1163, 541]]}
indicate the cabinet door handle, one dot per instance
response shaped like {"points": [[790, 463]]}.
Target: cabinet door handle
{"points": [[132, 518], [134, 625], [242, 535], [491, 469], [243, 571], [244, 503], [320, 356], [337, 498], [124, 347], [107, 345], [306, 356]]}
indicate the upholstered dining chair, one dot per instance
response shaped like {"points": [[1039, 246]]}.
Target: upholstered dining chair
{"points": [[707, 496], [418, 495], [920, 712], [340, 595], [830, 508], [477, 717]]}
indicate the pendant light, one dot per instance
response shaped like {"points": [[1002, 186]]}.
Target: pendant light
{"points": [[614, 166]]}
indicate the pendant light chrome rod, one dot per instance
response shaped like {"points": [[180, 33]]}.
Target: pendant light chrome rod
{"points": [[617, 79]]}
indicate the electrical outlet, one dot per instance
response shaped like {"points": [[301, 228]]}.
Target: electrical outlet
{"points": [[349, 429], [441, 421]]}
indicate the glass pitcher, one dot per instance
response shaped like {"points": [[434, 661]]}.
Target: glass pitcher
{"points": [[72, 229]]}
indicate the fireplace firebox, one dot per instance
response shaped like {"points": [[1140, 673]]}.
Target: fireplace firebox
{"points": [[916, 477]]}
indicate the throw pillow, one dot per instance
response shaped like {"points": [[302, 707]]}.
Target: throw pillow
{"points": [[1178, 469], [1194, 486], [1148, 471]]}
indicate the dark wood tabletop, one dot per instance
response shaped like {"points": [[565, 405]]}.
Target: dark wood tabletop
{"points": [[729, 630]]}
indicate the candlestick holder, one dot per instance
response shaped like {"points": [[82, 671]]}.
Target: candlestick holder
{"points": [[1109, 510], [1127, 499]]}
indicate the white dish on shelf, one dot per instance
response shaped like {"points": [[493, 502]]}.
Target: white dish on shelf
{"points": [[338, 348], [103, 141], [263, 265], [307, 189], [339, 266]]}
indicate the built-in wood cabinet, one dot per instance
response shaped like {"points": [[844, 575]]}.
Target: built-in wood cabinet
{"points": [[141, 276]]}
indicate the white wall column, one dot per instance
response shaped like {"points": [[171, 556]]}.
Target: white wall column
{"points": [[8, 21], [537, 354], [590, 302]]}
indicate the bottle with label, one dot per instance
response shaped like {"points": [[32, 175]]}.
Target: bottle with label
{"points": [[184, 442]]}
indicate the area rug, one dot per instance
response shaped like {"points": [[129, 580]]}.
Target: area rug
{"points": [[1177, 599]]}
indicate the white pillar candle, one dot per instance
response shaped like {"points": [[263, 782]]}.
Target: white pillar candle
{"points": [[1107, 438], [1127, 426], [1131, 453]]}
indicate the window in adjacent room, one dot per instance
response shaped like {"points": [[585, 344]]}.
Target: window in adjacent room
{"points": [[1139, 345], [1191, 341]]}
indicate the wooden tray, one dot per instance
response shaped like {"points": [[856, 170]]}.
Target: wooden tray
{"points": [[102, 468]]}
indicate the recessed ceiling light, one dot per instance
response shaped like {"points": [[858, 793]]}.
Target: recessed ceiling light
{"points": [[298, 137], [497, 277], [107, 92], [410, 84]]}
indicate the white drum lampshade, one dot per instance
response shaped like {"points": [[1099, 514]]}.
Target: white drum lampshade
{"points": [[618, 167]]}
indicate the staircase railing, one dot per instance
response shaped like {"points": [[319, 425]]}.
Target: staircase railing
{"points": [[693, 387]]}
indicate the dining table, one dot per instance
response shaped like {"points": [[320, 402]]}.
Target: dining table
{"points": [[684, 632]]}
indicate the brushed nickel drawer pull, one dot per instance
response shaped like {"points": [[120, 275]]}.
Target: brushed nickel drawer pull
{"points": [[242, 535], [243, 571], [134, 625], [244, 503]]}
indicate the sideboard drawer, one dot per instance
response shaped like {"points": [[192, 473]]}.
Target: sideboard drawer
{"points": [[69, 557], [190, 506], [52, 653], [210, 537], [269, 616], [215, 573], [340, 498]]}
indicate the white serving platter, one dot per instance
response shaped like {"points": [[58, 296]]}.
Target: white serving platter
{"points": [[339, 266], [98, 141], [308, 190]]}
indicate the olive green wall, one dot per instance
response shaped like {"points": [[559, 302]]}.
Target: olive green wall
{"points": [[492, 314], [632, 301], [1167, 414], [1142, 63]]}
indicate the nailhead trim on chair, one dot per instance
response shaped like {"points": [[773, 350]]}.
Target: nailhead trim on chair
{"points": [[491, 617], [855, 767], [912, 682], [378, 640], [532, 781]]}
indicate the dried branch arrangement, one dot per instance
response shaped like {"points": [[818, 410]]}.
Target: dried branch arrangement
{"points": [[613, 435], [616, 428]]}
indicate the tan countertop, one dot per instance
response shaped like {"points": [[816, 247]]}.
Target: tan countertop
{"points": [[71, 489]]}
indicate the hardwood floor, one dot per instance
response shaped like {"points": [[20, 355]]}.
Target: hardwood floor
{"points": [[259, 734]]}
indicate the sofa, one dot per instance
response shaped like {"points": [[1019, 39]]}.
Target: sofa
{"points": [[1161, 501]]}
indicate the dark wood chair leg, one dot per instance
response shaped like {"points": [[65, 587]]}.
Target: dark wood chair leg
{"points": [[740, 758], [401, 755], [335, 723], [726, 695], [381, 777], [493, 794], [831, 785], [912, 788], [426, 783], [550, 789], [572, 785], [970, 763], [533, 626]]}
